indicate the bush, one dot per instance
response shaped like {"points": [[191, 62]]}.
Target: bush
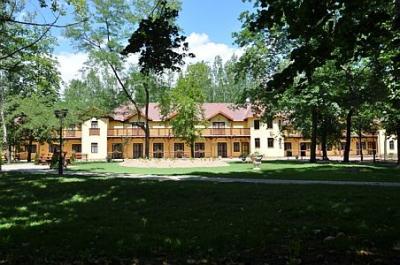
{"points": [[54, 161], [73, 158], [36, 159]]}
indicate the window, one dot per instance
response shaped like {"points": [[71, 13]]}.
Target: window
{"points": [[257, 142], [94, 124], [94, 148], [236, 147], [342, 146], [270, 142], [53, 148], [280, 124], [199, 150], [158, 150], [31, 148], [179, 149], [219, 124], [391, 145], [269, 124], [287, 146], [256, 124], [76, 148], [138, 124], [329, 147], [371, 145]]}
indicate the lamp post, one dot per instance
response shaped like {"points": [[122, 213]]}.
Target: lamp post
{"points": [[61, 114]]}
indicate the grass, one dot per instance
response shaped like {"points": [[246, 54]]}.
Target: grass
{"points": [[45, 219], [270, 170]]}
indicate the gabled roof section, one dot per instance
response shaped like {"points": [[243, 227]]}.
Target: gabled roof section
{"points": [[210, 110]]}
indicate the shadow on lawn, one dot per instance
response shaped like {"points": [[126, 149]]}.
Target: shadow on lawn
{"points": [[45, 219]]}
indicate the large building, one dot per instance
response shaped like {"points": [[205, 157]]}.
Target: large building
{"points": [[229, 133]]}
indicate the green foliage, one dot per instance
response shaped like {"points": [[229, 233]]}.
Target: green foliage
{"points": [[36, 158], [184, 103], [157, 40]]}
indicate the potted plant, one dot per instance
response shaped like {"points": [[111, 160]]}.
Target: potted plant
{"points": [[243, 156]]}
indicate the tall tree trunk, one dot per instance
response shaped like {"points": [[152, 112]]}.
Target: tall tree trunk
{"points": [[192, 149], [30, 142], [360, 144], [324, 145], [4, 126], [346, 156], [147, 129], [313, 151]]}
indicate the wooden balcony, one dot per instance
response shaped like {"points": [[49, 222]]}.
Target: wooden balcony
{"points": [[226, 132], [167, 132], [72, 134], [94, 131]]}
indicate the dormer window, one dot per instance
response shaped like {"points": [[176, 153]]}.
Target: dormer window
{"points": [[94, 124], [269, 124], [219, 124], [256, 124]]}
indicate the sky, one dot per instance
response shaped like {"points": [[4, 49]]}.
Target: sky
{"points": [[208, 24]]}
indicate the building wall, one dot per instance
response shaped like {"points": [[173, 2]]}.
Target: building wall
{"points": [[101, 139], [335, 149], [210, 144], [387, 147], [263, 133]]}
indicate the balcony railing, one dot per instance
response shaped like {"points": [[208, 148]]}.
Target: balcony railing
{"points": [[166, 132], [226, 132], [72, 133], [94, 131]]}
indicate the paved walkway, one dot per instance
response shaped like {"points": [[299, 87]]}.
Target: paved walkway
{"points": [[37, 169]]}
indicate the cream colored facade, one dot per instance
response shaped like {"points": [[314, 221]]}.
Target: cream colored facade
{"points": [[94, 138], [224, 134], [266, 139]]}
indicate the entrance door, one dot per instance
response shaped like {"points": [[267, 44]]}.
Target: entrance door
{"points": [[117, 151], [137, 150], [158, 150], [199, 150], [222, 150], [303, 149], [245, 148], [179, 150]]}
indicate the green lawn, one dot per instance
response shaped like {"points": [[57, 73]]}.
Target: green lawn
{"points": [[270, 170], [45, 219]]}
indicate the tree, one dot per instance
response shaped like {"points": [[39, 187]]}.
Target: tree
{"points": [[95, 95], [157, 41], [184, 104]]}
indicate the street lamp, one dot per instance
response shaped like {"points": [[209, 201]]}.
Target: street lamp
{"points": [[61, 114]]}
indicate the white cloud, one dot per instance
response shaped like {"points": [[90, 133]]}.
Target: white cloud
{"points": [[206, 50], [70, 64]]}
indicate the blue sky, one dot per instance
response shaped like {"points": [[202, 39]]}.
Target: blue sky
{"points": [[209, 25], [217, 18]]}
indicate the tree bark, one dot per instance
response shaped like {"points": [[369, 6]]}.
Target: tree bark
{"points": [[192, 149], [346, 156], [398, 144], [5, 139], [324, 146], [147, 129], [29, 158], [360, 144], [313, 151]]}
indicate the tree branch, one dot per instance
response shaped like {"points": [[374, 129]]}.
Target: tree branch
{"points": [[32, 43], [44, 24]]}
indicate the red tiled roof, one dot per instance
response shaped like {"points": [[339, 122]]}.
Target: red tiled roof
{"points": [[210, 110]]}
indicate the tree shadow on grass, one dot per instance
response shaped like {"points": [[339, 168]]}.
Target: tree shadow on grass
{"points": [[46, 219]]}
